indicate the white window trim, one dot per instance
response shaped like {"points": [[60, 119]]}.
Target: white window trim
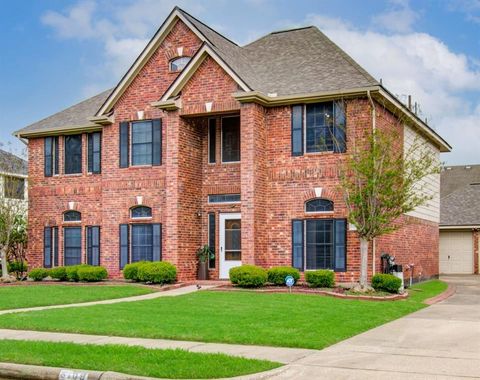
{"points": [[130, 143]]}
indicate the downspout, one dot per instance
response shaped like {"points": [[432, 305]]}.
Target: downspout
{"points": [[374, 127]]}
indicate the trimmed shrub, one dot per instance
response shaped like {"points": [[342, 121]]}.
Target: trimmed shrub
{"points": [[248, 276], [130, 271], [386, 282], [160, 272], [58, 273], [17, 267], [92, 274], [276, 275], [38, 274], [322, 278], [72, 271]]}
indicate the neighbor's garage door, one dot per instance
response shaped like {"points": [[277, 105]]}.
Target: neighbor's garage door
{"points": [[456, 252]]}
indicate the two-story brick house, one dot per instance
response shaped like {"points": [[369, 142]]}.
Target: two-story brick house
{"points": [[207, 142]]}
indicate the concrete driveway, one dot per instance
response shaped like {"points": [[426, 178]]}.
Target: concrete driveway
{"points": [[439, 342]]}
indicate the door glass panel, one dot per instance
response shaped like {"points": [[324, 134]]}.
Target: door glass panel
{"points": [[233, 243]]}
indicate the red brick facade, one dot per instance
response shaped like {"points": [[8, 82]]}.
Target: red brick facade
{"points": [[273, 184]]}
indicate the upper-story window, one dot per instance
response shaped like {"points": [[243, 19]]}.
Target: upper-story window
{"points": [[73, 154], [178, 64], [95, 152], [319, 205], [141, 143], [72, 216], [14, 187], [318, 127], [231, 139], [51, 152], [139, 212]]}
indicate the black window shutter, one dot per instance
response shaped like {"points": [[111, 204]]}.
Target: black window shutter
{"points": [[212, 140], [211, 238], [56, 156], [297, 244], [157, 142], [90, 153], [48, 156], [55, 246], [93, 245], [157, 242], [339, 131], [340, 245], [124, 144], [297, 130], [124, 245], [47, 247]]}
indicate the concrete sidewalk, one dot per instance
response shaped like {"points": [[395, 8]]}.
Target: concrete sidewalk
{"points": [[278, 354], [149, 296], [439, 342]]}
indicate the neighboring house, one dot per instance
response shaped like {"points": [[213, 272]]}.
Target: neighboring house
{"points": [[460, 219], [206, 142], [13, 177]]}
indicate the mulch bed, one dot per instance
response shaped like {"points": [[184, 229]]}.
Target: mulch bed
{"points": [[337, 292]]}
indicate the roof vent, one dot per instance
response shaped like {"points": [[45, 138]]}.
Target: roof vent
{"points": [[448, 168], [468, 167], [272, 94], [475, 184]]}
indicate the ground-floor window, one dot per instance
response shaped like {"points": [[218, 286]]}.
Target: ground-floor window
{"points": [[50, 247], [319, 244], [72, 245], [140, 242]]}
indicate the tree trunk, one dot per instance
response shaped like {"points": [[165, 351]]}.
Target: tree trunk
{"points": [[363, 262], [4, 263]]}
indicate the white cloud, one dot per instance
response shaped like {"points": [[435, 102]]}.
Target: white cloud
{"points": [[423, 66], [398, 18]]}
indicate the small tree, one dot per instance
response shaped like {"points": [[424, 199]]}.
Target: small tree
{"points": [[381, 182], [12, 205]]}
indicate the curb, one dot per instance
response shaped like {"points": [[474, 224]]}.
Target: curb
{"points": [[33, 372], [451, 290]]}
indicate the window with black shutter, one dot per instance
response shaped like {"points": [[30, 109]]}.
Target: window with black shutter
{"points": [[93, 245], [141, 143], [319, 244], [51, 156], [95, 152], [72, 245], [124, 245], [50, 247], [211, 239], [231, 139], [140, 242], [73, 154], [318, 127], [212, 140]]}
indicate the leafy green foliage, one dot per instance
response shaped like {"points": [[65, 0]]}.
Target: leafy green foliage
{"points": [[205, 253], [248, 276], [72, 271], [276, 275], [130, 271], [386, 282], [157, 272], [92, 273], [19, 268], [58, 273], [38, 274], [381, 182], [320, 278]]}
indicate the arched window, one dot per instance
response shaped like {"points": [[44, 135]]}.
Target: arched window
{"points": [[72, 216], [141, 212], [318, 205], [178, 64]]}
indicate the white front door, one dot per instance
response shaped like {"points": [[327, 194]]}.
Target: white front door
{"points": [[230, 243]]}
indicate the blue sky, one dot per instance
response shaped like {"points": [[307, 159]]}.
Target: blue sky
{"points": [[56, 53]]}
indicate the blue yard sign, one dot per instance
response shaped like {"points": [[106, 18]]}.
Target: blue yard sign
{"points": [[289, 281]]}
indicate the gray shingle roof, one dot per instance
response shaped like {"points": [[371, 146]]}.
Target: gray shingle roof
{"points": [[75, 115], [10, 163], [291, 62], [460, 195]]}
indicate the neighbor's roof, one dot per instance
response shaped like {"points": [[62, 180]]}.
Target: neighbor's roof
{"points": [[12, 164], [460, 195]]}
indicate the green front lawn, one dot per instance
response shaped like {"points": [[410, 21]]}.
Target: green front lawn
{"points": [[21, 296], [172, 364], [290, 320]]}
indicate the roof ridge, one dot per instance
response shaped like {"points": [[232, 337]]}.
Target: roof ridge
{"points": [[207, 26], [277, 32], [346, 56]]}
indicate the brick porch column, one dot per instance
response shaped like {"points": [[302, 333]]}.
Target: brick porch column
{"points": [[253, 183]]}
